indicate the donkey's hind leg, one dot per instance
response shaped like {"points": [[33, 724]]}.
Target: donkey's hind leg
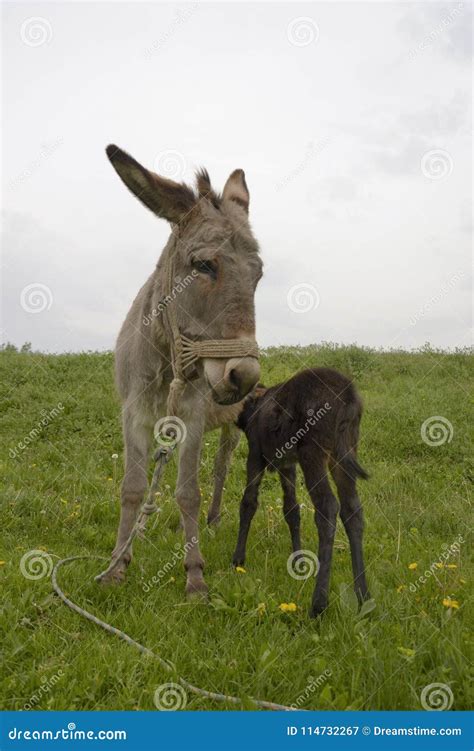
{"points": [[291, 509], [137, 446], [353, 520], [313, 463], [230, 436]]}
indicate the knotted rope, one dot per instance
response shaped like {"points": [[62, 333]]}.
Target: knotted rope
{"points": [[162, 457]]}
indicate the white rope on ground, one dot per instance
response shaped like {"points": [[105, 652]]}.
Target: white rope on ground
{"points": [[145, 650]]}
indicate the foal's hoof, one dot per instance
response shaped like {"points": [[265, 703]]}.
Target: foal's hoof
{"points": [[213, 520], [196, 591], [317, 608]]}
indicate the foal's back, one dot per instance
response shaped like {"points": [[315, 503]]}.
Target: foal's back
{"points": [[308, 409]]}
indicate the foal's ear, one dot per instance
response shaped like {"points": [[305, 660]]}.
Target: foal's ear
{"points": [[170, 200], [236, 189]]}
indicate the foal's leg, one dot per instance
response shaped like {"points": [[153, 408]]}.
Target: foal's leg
{"points": [[230, 436], [188, 497], [137, 440], [353, 520], [248, 505], [291, 509], [313, 464]]}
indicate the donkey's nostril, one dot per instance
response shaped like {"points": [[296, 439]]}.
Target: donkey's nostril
{"points": [[232, 380], [235, 379], [242, 375]]}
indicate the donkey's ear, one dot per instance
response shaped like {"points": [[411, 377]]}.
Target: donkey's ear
{"points": [[236, 189], [170, 200]]}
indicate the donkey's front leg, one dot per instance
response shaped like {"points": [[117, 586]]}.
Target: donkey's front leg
{"points": [[230, 436], [248, 504], [137, 445], [188, 497]]}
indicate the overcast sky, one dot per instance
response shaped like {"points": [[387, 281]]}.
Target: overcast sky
{"points": [[352, 122]]}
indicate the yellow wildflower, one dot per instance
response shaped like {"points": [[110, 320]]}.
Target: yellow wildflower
{"points": [[240, 570], [400, 588], [449, 603], [451, 565], [261, 608], [412, 566], [288, 607]]}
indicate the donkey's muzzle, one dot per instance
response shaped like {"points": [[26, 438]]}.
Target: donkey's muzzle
{"points": [[231, 380]]}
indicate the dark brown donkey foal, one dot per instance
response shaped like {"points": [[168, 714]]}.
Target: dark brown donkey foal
{"points": [[312, 419]]}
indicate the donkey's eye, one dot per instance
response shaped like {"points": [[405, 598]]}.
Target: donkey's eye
{"points": [[206, 267]]}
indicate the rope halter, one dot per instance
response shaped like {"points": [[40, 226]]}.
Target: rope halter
{"points": [[185, 352]]}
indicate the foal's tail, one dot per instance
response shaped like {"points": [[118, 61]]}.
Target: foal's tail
{"points": [[347, 436]]}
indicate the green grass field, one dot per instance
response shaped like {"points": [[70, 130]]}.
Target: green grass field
{"points": [[60, 494]]}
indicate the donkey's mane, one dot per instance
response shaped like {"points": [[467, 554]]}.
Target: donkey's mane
{"points": [[205, 189]]}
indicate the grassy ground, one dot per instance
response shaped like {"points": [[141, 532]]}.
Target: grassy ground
{"points": [[60, 495]]}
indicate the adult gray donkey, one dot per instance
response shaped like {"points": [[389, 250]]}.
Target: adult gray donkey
{"points": [[206, 275]]}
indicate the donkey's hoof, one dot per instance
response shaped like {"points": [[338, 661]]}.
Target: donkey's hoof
{"points": [[116, 576], [197, 590]]}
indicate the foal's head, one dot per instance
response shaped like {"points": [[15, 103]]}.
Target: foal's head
{"points": [[216, 264]]}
